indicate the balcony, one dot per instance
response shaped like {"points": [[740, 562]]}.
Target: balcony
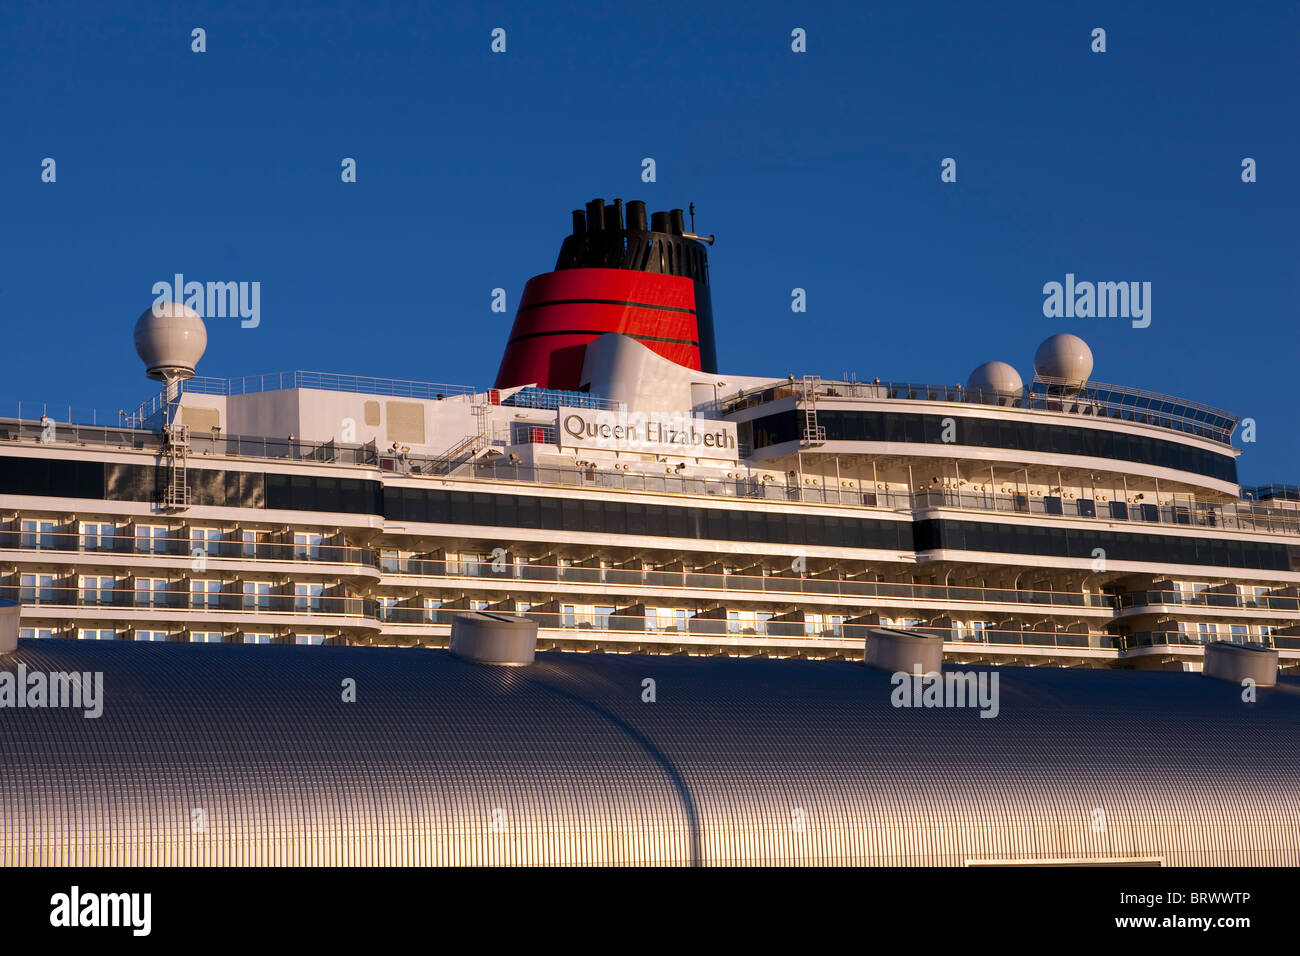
{"points": [[160, 602], [745, 584], [1181, 639], [621, 629], [184, 547], [1209, 600]]}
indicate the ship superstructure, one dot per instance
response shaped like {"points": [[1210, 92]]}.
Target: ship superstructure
{"points": [[616, 487]]}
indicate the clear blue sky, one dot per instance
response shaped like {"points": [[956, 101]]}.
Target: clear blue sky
{"points": [[818, 170]]}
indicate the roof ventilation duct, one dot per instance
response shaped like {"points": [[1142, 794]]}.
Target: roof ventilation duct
{"points": [[903, 651], [489, 637], [1237, 662]]}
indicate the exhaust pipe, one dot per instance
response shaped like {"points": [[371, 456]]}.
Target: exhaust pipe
{"points": [[636, 216]]}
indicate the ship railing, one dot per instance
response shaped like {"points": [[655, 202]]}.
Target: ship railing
{"points": [[56, 596], [1024, 637], [1208, 599], [744, 486], [782, 584], [150, 410], [324, 381], [201, 443], [1272, 492], [149, 414], [1139, 639], [61, 414], [1177, 510], [551, 398], [180, 546], [247, 631], [102, 436], [622, 626], [1095, 399]]}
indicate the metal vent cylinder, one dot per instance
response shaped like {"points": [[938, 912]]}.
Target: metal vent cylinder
{"points": [[636, 216], [1236, 662], [892, 650], [10, 615], [490, 637]]}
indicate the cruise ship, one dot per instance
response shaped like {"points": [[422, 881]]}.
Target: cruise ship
{"points": [[618, 488]]}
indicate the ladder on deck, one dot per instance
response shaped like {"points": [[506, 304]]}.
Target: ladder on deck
{"points": [[813, 433], [468, 447], [176, 444], [456, 455]]}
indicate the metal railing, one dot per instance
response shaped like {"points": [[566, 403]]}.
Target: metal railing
{"points": [[1207, 599], [1128, 642], [57, 596], [1272, 492], [625, 627], [552, 398], [109, 545], [104, 436], [508, 571], [1096, 399], [324, 381], [1235, 516], [1136, 405], [1000, 637], [748, 486], [153, 406], [60, 413], [200, 444]]}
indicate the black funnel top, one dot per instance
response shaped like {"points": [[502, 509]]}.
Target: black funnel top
{"points": [[603, 238]]}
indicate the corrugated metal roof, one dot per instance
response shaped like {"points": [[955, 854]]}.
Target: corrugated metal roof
{"points": [[232, 754]]}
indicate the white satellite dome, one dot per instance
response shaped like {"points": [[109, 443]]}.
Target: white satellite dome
{"points": [[170, 339], [994, 383], [1064, 359]]}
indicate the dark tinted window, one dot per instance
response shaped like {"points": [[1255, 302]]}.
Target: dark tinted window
{"points": [[935, 534], [635, 517], [208, 486], [60, 479], [843, 425]]}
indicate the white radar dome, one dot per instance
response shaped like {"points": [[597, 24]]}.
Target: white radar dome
{"points": [[994, 383], [1064, 359], [170, 340]]}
